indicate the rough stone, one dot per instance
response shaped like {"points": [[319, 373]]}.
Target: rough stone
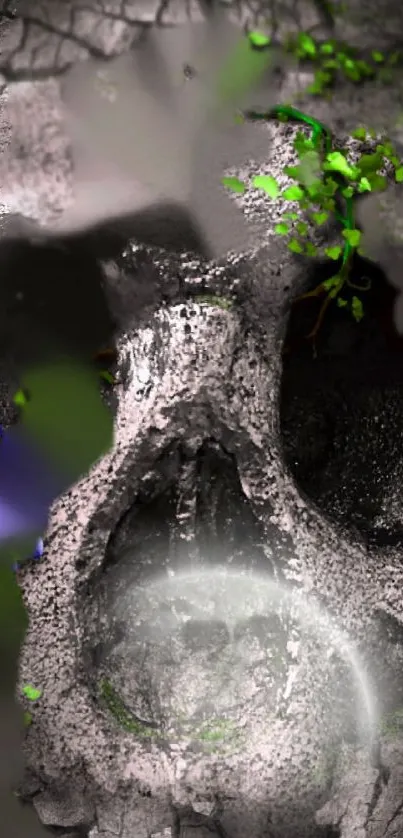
{"points": [[57, 810]]}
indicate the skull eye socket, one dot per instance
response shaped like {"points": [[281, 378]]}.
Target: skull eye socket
{"points": [[204, 635], [342, 374]]}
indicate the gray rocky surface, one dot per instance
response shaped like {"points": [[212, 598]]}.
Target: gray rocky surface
{"points": [[187, 706]]}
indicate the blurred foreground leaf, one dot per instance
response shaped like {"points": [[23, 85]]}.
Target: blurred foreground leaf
{"points": [[66, 417]]}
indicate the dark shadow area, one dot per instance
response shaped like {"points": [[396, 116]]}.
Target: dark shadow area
{"points": [[200, 494], [303, 825], [294, 820], [53, 300], [342, 406], [52, 288]]}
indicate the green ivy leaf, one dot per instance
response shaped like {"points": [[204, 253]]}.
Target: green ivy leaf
{"points": [[360, 133], [27, 718], [20, 398], [315, 190], [347, 192], [399, 175], [331, 64], [293, 193], [310, 249], [295, 246], [233, 183], [352, 236], [292, 216], [330, 187], [341, 302], [327, 48], [345, 60], [364, 68], [306, 44], [370, 163], [328, 204], [322, 78], [389, 152], [377, 56], [364, 185], [336, 162], [302, 228], [259, 40], [378, 183], [292, 171], [268, 184], [30, 692], [357, 309], [281, 229], [351, 72], [333, 253], [302, 144], [388, 148], [320, 82], [320, 217]]}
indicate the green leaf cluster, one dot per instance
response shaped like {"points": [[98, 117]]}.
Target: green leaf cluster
{"points": [[325, 186], [334, 59], [31, 693], [325, 181]]}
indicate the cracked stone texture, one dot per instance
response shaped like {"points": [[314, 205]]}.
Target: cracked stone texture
{"points": [[190, 375]]}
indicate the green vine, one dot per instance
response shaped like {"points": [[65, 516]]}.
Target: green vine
{"points": [[326, 181]]}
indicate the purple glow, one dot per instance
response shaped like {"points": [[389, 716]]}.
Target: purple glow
{"points": [[28, 486], [11, 521]]}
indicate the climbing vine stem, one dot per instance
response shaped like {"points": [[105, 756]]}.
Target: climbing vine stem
{"points": [[321, 141], [325, 184]]}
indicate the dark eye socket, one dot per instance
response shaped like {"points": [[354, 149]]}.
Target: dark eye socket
{"points": [[267, 629], [201, 635]]}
